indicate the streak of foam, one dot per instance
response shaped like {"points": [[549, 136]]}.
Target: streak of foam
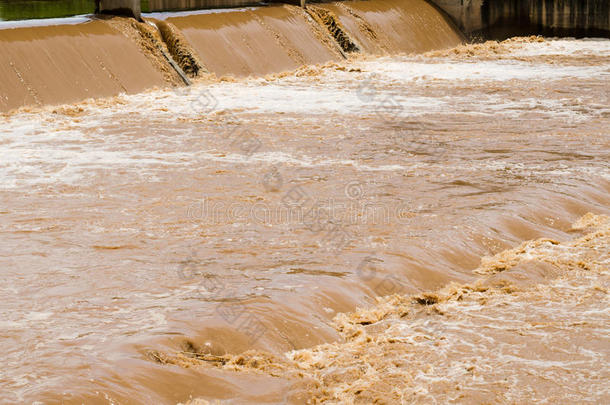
{"points": [[592, 47], [479, 70], [44, 22], [33, 156], [519, 47]]}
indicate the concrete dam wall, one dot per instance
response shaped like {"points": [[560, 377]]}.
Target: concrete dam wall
{"points": [[500, 19], [476, 18], [108, 55]]}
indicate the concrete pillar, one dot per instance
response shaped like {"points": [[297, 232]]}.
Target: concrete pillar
{"points": [[499, 19], [120, 7]]}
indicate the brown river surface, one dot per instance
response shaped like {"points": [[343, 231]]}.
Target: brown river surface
{"points": [[214, 243]]}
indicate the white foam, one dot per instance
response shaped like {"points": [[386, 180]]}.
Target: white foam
{"points": [[79, 19], [566, 46], [162, 15], [476, 70]]}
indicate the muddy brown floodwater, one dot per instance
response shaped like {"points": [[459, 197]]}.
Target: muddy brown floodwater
{"points": [[215, 243]]}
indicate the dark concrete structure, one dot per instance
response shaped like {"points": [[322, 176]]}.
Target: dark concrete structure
{"points": [[496, 19], [499, 19], [169, 5], [120, 7]]}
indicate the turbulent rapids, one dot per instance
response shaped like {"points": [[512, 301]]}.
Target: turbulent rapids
{"points": [[347, 203], [469, 343]]}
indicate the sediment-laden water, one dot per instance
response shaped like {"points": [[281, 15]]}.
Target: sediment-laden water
{"points": [[213, 243]]}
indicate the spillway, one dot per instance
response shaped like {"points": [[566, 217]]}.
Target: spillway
{"points": [[349, 202], [50, 65], [59, 64]]}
